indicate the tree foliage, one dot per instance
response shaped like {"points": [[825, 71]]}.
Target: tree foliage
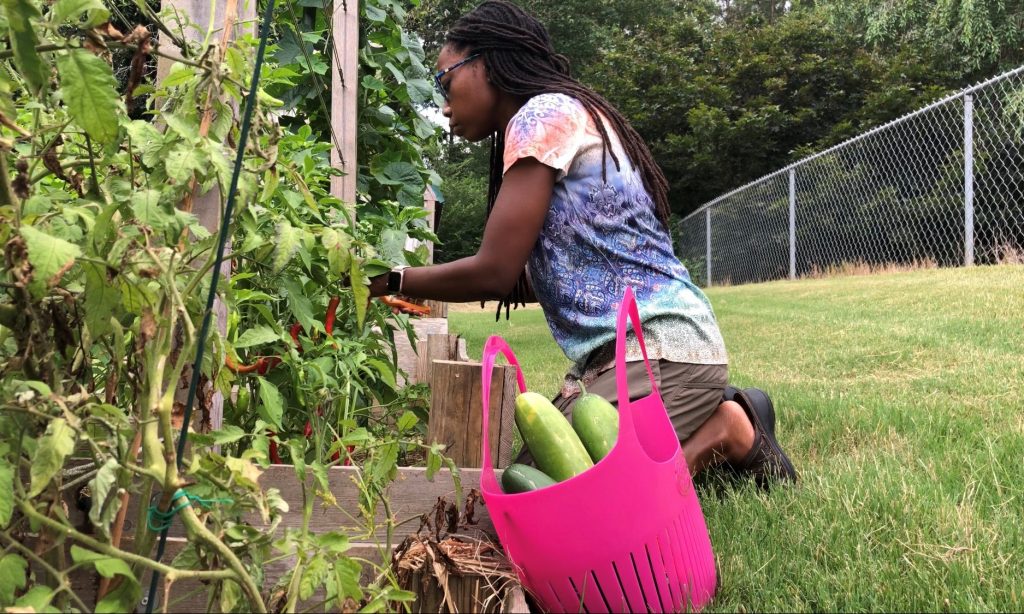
{"points": [[725, 92]]}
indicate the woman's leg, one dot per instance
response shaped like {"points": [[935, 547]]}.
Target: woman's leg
{"points": [[726, 435]]}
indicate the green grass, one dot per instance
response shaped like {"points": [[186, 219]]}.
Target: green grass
{"points": [[900, 401]]}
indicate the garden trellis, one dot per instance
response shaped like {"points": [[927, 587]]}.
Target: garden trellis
{"points": [[941, 186]]}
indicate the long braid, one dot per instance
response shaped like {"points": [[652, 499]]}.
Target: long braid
{"points": [[522, 62]]}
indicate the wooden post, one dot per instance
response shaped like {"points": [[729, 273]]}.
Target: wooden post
{"points": [[344, 91], [456, 419], [437, 347]]}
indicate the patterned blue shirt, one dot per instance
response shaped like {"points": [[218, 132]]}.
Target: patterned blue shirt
{"points": [[600, 236]]}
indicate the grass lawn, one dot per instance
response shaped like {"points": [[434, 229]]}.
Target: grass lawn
{"points": [[900, 399]]}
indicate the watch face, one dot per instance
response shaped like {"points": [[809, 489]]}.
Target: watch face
{"points": [[394, 281]]}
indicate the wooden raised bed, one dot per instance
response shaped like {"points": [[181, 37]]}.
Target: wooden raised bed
{"points": [[411, 495]]}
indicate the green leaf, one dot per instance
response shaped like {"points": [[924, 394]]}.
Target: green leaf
{"points": [[335, 541], [338, 245], [12, 576], [433, 462], [178, 74], [105, 500], [230, 596], [355, 437], [107, 566], [374, 13], [50, 257], [407, 421], [312, 577], [146, 207], [271, 406], [183, 161], [348, 572], [20, 15], [124, 598], [228, 434], [288, 240], [84, 13], [384, 371], [90, 92], [297, 450], [6, 486], [185, 128], [37, 598], [360, 291], [420, 90], [398, 173], [392, 245], [301, 307], [51, 450], [372, 83], [256, 335]]}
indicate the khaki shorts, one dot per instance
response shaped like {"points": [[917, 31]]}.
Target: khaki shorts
{"points": [[691, 393]]}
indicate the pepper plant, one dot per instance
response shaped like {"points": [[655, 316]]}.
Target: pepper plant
{"points": [[105, 267]]}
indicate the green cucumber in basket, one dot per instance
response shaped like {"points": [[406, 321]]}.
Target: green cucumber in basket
{"points": [[523, 478], [596, 421], [555, 447]]}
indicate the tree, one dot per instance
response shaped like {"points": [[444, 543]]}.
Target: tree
{"points": [[987, 34]]}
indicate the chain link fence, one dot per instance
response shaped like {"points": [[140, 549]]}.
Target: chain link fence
{"points": [[943, 186]]}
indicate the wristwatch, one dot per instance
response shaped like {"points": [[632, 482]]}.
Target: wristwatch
{"points": [[395, 278]]}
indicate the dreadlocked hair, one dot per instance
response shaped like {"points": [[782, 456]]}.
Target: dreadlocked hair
{"points": [[522, 62]]}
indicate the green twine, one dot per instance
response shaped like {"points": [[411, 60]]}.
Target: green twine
{"points": [[158, 520]]}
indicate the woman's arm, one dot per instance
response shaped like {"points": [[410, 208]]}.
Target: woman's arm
{"points": [[511, 232]]}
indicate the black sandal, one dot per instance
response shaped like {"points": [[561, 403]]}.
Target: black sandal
{"points": [[766, 462]]}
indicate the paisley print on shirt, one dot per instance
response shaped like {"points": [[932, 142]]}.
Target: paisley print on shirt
{"points": [[601, 235]]}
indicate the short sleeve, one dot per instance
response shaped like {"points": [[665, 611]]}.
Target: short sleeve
{"points": [[550, 128]]}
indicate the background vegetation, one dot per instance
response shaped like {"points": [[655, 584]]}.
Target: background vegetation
{"points": [[725, 92]]}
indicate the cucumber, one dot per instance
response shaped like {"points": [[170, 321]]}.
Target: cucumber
{"points": [[555, 447], [596, 421], [523, 478]]}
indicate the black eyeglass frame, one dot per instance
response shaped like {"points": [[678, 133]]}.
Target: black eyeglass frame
{"points": [[441, 89]]}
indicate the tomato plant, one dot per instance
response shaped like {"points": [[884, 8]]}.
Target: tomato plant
{"points": [[105, 267]]}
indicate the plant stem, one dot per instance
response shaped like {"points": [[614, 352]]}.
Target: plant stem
{"points": [[7, 195], [236, 569], [130, 557]]}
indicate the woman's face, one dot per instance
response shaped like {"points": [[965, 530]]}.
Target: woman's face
{"points": [[472, 104]]}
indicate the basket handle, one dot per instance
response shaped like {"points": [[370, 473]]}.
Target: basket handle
{"points": [[494, 345], [628, 311]]}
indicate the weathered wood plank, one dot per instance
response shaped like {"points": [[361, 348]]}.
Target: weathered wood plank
{"points": [[344, 98], [410, 495], [437, 347], [456, 419], [407, 357]]}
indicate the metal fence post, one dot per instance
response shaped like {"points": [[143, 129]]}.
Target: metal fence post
{"points": [[707, 245], [968, 179], [792, 223]]}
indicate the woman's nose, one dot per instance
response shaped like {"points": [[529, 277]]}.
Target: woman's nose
{"points": [[446, 109]]}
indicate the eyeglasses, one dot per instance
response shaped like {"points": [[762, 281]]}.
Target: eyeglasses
{"points": [[437, 77]]}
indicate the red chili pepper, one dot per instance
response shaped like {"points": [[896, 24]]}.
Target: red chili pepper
{"points": [[308, 431], [268, 363], [332, 307], [296, 329], [274, 456], [405, 306], [237, 368]]}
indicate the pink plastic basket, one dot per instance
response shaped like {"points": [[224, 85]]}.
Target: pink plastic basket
{"points": [[627, 534]]}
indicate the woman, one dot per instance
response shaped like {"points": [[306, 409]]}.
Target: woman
{"points": [[576, 199]]}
